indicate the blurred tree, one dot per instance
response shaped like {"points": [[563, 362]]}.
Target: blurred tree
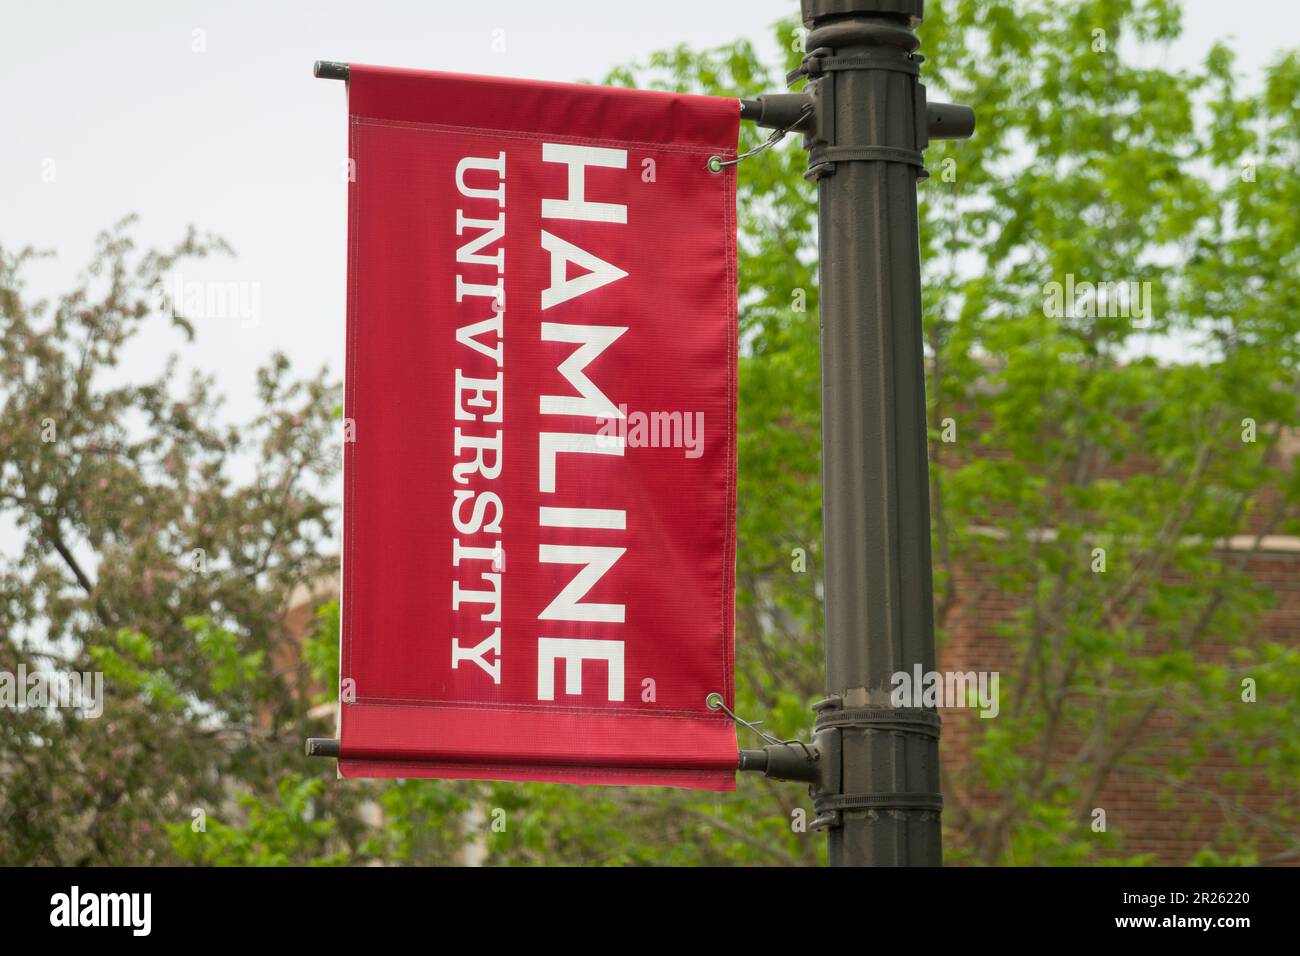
{"points": [[132, 548]]}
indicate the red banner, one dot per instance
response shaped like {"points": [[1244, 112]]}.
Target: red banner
{"points": [[539, 486]]}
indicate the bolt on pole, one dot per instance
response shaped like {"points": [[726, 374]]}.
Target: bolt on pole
{"points": [[879, 797]]}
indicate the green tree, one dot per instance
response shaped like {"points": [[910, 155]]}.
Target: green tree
{"points": [[132, 548], [1090, 165]]}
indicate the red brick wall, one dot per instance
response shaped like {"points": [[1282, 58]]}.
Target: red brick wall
{"points": [[1151, 816]]}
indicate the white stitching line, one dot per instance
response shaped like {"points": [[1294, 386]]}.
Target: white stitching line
{"points": [[540, 709], [727, 776], [531, 137]]}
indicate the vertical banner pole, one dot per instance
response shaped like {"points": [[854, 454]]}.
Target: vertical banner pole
{"points": [[871, 124]]}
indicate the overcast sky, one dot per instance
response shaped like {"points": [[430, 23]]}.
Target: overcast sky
{"points": [[114, 100]]}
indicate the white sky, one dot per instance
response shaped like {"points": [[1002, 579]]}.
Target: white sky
{"points": [[242, 141]]}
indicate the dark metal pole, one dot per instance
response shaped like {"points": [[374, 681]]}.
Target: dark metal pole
{"points": [[880, 797]]}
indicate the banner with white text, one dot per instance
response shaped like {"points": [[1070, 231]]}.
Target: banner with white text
{"points": [[540, 424]]}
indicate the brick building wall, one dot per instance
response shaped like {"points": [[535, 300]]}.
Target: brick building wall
{"points": [[1152, 814]]}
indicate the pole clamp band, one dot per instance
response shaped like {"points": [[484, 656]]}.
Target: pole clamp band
{"points": [[808, 67], [898, 720], [863, 61], [821, 61], [883, 154], [822, 159], [925, 802]]}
